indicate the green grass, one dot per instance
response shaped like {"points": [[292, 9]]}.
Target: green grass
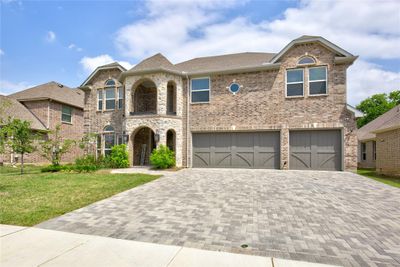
{"points": [[35, 197], [370, 173]]}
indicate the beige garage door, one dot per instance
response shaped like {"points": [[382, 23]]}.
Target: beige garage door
{"points": [[236, 150], [315, 150]]}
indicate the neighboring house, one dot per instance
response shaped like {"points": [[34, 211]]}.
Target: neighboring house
{"points": [[249, 110], [379, 143], [47, 106]]}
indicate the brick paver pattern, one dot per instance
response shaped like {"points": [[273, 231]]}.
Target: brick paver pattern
{"points": [[328, 217]]}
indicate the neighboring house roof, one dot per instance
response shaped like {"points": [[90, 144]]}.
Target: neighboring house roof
{"points": [[224, 62], [17, 110], [52, 90], [389, 120], [113, 65], [156, 62], [356, 112]]}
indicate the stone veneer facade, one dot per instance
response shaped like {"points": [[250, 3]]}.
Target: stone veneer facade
{"points": [[260, 105]]}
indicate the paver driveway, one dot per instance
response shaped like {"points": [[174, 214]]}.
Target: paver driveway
{"points": [[329, 217]]}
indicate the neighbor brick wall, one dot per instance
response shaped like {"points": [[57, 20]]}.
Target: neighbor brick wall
{"points": [[261, 103], [369, 162], [388, 152]]}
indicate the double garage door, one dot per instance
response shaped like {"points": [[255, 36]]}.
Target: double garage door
{"points": [[315, 150]]}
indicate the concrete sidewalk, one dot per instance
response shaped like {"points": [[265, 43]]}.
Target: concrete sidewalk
{"points": [[24, 246]]}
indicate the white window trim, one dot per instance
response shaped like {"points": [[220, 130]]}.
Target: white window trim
{"points": [[326, 80], [122, 98], [306, 64], [105, 98], [201, 90], [67, 122], [286, 83], [102, 99]]}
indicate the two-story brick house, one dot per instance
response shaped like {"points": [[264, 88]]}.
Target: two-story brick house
{"points": [[45, 106], [251, 110]]}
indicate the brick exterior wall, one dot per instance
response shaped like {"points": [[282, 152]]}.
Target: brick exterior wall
{"points": [[388, 152], [369, 162], [261, 104], [49, 113]]}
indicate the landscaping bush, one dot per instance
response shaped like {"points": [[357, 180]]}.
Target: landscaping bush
{"points": [[119, 156], [52, 168], [87, 163], [162, 158]]}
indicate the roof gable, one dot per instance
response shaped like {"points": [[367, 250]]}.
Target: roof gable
{"points": [[309, 39], [113, 65], [156, 62]]}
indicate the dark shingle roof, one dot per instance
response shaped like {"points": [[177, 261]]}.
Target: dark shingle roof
{"points": [[52, 90], [16, 110], [156, 62], [387, 120], [224, 62]]}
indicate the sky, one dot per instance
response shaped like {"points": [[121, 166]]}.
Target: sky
{"points": [[65, 41]]}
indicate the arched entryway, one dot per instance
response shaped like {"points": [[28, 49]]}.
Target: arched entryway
{"points": [[171, 98], [145, 98], [171, 140], [143, 145]]}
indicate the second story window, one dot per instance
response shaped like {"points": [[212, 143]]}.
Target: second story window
{"points": [[317, 81], [294, 82], [120, 97], [66, 114], [200, 88], [110, 98], [100, 99]]}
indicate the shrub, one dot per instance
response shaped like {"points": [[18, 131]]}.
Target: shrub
{"points": [[86, 163], [119, 156], [52, 168], [162, 157]]}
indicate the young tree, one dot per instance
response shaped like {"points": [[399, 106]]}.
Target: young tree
{"points": [[376, 105], [17, 135], [87, 143], [54, 147]]}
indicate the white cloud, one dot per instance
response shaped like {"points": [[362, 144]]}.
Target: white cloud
{"points": [[89, 64], [50, 36], [7, 87], [365, 79], [74, 47], [1, 52], [198, 28]]}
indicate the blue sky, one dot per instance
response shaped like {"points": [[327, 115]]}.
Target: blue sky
{"points": [[65, 40]]}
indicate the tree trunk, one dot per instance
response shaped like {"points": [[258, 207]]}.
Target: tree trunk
{"points": [[22, 163]]}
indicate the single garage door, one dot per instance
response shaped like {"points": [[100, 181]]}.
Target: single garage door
{"points": [[236, 150], [315, 150]]}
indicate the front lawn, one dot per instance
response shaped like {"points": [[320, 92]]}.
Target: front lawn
{"points": [[370, 173], [35, 197]]}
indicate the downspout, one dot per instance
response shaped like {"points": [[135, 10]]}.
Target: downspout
{"points": [[187, 120]]}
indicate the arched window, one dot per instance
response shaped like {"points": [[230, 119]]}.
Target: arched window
{"points": [[109, 139], [306, 61], [110, 82]]}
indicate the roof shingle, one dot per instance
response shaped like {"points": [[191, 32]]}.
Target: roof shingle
{"points": [[52, 90]]}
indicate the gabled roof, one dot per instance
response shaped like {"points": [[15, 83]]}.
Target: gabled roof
{"points": [[387, 121], [307, 39], [15, 109], [52, 90], [113, 65], [154, 63], [224, 62]]}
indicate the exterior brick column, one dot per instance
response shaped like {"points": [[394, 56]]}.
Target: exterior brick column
{"points": [[284, 148]]}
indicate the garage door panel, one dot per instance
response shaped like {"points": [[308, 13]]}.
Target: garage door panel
{"points": [[317, 150], [239, 149]]}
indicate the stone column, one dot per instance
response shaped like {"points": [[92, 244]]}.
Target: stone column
{"points": [[130, 147], [284, 148], [128, 96], [162, 97]]}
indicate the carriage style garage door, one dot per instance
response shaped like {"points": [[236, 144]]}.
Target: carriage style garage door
{"points": [[315, 150], [236, 150]]}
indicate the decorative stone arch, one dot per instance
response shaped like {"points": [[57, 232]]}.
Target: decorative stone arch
{"points": [[171, 97], [144, 97], [143, 143]]}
